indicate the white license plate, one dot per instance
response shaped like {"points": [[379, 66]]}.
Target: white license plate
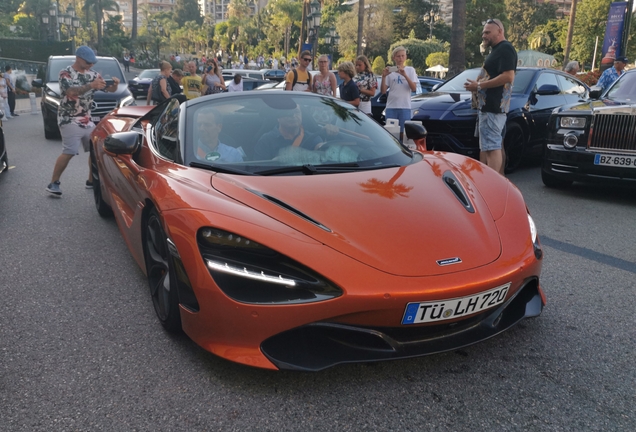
{"points": [[423, 312], [95, 119], [613, 160]]}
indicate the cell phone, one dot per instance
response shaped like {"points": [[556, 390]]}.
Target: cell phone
{"points": [[109, 82], [393, 68]]}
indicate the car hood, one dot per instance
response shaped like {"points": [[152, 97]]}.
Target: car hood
{"points": [[140, 81], [402, 221], [122, 92], [437, 105], [592, 105]]}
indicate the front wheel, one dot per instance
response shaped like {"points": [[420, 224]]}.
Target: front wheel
{"points": [[514, 147], [161, 273], [103, 209]]}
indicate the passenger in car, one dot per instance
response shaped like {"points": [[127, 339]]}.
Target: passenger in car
{"points": [[207, 146]]}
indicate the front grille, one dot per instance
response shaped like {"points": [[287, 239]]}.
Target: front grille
{"points": [[103, 107], [613, 132]]}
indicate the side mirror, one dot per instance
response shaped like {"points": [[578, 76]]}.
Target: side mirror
{"points": [[436, 86], [548, 90], [417, 132], [595, 92], [37, 83], [123, 143]]}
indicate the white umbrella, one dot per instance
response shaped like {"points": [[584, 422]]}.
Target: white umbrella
{"points": [[437, 68]]}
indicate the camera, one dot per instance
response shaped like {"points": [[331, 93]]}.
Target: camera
{"points": [[393, 69]]}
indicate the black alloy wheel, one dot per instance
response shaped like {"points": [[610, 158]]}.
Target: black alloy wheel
{"points": [[513, 146], [103, 209], [161, 274]]}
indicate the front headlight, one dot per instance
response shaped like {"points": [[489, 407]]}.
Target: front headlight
{"points": [[249, 272], [538, 252], [469, 112], [572, 122], [51, 98], [128, 100]]}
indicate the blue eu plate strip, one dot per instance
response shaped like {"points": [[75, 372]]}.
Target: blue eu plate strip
{"points": [[411, 311]]}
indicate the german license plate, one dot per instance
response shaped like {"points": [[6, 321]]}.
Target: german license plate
{"points": [[613, 160], [423, 312], [95, 119]]}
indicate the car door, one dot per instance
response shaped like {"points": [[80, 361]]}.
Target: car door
{"points": [[540, 106]]}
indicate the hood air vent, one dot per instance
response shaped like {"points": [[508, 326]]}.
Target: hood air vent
{"points": [[454, 185], [289, 208]]}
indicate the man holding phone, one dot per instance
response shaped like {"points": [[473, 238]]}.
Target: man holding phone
{"points": [[78, 82]]}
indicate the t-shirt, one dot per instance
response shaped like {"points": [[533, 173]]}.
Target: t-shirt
{"points": [[191, 86], [76, 110], [502, 58], [400, 94], [175, 88], [349, 91], [302, 82], [157, 94], [233, 87]]}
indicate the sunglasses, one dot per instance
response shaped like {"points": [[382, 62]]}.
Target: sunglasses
{"points": [[492, 21], [307, 59]]}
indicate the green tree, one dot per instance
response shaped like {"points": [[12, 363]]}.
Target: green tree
{"points": [[477, 12], [187, 10], [437, 58], [377, 30], [591, 19], [523, 17], [378, 65], [550, 38], [409, 15]]}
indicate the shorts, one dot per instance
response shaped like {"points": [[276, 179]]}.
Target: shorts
{"points": [[490, 129], [401, 114], [365, 107], [74, 136]]}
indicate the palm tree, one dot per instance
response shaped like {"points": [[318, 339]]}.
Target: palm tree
{"points": [[99, 6]]}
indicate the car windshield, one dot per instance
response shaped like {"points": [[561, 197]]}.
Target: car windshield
{"points": [[107, 68], [285, 132], [624, 89], [455, 84], [149, 73]]}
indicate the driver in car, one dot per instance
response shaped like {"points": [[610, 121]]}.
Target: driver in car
{"points": [[208, 147], [289, 132]]}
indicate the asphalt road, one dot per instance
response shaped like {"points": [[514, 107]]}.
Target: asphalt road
{"points": [[80, 348]]}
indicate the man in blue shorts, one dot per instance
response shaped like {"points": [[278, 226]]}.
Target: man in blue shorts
{"points": [[494, 88]]}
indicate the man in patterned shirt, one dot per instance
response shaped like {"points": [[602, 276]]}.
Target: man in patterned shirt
{"points": [[78, 82], [610, 75]]}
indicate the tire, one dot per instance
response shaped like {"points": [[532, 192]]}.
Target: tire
{"points": [[162, 278], [4, 164], [514, 145], [554, 182], [50, 134], [102, 208]]}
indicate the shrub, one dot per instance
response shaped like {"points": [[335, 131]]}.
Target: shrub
{"points": [[378, 65], [590, 78]]}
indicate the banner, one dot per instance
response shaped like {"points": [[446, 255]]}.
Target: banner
{"points": [[614, 32]]}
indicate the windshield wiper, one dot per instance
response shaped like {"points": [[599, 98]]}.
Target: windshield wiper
{"points": [[309, 169], [220, 169]]}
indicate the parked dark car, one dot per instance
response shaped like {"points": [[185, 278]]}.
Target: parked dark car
{"points": [[138, 86], [594, 141], [378, 102], [103, 102], [274, 74], [450, 121], [4, 160]]}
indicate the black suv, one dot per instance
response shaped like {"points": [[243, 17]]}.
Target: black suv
{"points": [[103, 102]]}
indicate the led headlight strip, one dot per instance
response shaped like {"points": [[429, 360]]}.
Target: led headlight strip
{"points": [[226, 268]]}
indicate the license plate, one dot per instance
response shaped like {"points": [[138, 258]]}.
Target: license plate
{"points": [[423, 312], [95, 119], [613, 160]]}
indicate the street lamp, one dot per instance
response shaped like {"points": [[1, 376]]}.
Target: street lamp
{"points": [[332, 39], [53, 20], [313, 27]]}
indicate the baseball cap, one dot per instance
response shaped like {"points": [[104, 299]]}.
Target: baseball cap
{"points": [[622, 59], [87, 54]]}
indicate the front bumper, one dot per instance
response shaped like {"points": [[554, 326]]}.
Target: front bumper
{"points": [[321, 345], [578, 165], [452, 136]]}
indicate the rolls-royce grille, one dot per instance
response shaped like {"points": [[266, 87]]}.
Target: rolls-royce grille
{"points": [[102, 108], [613, 132]]}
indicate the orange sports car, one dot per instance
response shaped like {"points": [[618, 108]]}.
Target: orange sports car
{"points": [[287, 230]]}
